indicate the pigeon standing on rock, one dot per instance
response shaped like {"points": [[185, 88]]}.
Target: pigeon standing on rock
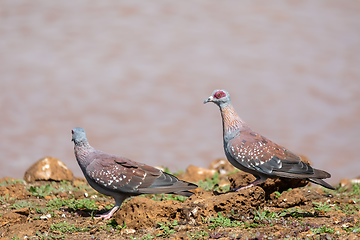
{"points": [[255, 154], [120, 177]]}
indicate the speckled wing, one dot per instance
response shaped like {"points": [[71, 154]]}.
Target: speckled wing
{"points": [[256, 153], [120, 174]]}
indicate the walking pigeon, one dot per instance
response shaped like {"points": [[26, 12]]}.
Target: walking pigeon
{"points": [[120, 177], [255, 154]]}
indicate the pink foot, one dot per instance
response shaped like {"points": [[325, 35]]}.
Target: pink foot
{"points": [[108, 214]]}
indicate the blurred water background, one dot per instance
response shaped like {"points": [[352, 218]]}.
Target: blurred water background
{"points": [[134, 75]]}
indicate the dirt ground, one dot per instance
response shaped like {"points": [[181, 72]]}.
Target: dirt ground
{"points": [[65, 210]]}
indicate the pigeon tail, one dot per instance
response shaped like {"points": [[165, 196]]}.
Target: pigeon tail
{"points": [[179, 187], [321, 182], [184, 193]]}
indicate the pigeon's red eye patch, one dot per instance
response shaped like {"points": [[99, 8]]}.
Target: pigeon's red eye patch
{"points": [[219, 94]]}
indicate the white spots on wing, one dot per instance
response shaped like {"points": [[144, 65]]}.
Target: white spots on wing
{"points": [[140, 182]]}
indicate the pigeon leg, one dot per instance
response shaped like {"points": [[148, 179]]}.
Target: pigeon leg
{"points": [[109, 214]]}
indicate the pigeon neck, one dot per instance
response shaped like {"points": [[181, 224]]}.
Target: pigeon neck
{"points": [[82, 144], [231, 121], [82, 149]]}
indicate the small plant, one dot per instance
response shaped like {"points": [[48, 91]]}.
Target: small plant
{"points": [[42, 191], [221, 221], [112, 223], [73, 204], [11, 182], [167, 229], [354, 190], [146, 237], [277, 194], [166, 197], [5, 199], [49, 236], [212, 184], [348, 208], [84, 203], [65, 227], [15, 238], [266, 216], [322, 229], [198, 235], [22, 204], [324, 207]]}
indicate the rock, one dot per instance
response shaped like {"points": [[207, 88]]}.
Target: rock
{"points": [[195, 174], [240, 203], [289, 199], [222, 166], [347, 183], [48, 168], [141, 212]]}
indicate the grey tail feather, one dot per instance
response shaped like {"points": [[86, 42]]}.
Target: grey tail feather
{"points": [[181, 189], [321, 174], [184, 193], [321, 182]]}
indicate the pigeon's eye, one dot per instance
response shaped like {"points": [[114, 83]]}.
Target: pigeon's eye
{"points": [[219, 94], [72, 131]]}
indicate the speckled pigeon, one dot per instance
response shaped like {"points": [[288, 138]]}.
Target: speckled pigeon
{"points": [[255, 154], [120, 177]]}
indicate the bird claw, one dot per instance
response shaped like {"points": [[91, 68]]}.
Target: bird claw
{"points": [[236, 189], [105, 216], [108, 214]]}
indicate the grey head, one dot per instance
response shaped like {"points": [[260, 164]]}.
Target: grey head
{"points": [[220, 97], [78, 135]]}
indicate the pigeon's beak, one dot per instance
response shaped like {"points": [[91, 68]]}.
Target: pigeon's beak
{"points": [[210, 99]]}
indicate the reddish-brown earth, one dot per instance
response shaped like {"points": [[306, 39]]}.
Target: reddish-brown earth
{"points": [[298, 213]]}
